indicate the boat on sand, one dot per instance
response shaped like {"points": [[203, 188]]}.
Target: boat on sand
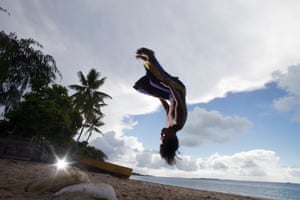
{"points": [[101, 166]]}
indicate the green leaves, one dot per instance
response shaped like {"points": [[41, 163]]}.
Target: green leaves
{"points": [[47, 113], [20, 63], [89, 101], [37, 108]]}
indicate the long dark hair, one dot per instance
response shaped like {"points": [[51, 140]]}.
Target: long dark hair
{"points": [[168, 149]]}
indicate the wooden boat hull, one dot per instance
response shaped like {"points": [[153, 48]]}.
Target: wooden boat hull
{"points": [[105, 167]]}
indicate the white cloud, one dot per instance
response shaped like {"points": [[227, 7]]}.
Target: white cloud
{"points": [[290, 82], [119, 148], [214, 47], [148, 158], [125, 103], [256, 165], [203, 125], [285, 104], [290, 79], [294, 171]]}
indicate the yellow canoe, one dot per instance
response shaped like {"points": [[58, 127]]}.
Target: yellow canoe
{"points": [[105, 167]]}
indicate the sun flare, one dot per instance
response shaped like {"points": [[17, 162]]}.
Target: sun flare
{"points": [[61, 164]]}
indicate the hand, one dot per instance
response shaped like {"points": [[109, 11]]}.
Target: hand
{"points": [[145, 51]]}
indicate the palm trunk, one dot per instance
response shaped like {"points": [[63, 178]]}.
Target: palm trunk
{"points": [[79, 136], [90, 134], [81, 131]]}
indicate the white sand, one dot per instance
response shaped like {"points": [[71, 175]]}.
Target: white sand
{"points": [[15, 175]]}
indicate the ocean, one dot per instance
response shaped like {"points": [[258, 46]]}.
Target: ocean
{"points": [[277, 191]]}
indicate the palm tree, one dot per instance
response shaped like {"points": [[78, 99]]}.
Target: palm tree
{"points": [[93, 126], [88, 100]]}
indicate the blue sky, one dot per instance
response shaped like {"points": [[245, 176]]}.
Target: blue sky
{"points": [[269, 129], [238, 59]]}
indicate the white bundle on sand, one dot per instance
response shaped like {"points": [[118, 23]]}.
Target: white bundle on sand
{"points": [[96, 190], [58, 180]]}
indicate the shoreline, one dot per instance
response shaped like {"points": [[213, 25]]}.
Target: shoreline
{"points": [[15, 175]]}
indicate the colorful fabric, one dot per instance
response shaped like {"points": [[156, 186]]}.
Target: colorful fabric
{"points": [[150, 84]]}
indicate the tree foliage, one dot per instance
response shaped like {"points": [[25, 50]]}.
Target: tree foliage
{"points": [[20, 63], [88, 100], [35, 107], [47, 113], [90, 151], [5, 10]]}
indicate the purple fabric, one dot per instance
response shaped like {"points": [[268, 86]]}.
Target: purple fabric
{"points": [[151, 85]]}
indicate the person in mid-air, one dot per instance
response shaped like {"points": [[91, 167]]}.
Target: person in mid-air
{"points": [[171, 93]]}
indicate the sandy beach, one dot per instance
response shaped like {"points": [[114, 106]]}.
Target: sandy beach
{"points": [[15, 175]]}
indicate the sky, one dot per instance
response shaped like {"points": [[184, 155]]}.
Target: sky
{"points": [[239, 60]]}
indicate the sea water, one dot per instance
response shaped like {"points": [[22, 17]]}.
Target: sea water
{"points": [[278, 191]]}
